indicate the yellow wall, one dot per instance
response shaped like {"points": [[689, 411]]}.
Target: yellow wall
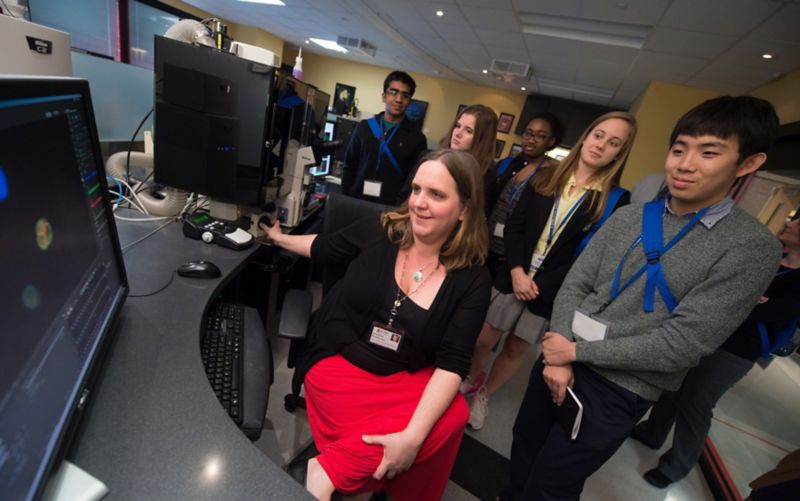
{"points": [[443, 96], [784, 94], [656, 111]]}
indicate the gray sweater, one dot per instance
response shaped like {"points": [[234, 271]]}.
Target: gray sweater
{"points": [[717, 275]]}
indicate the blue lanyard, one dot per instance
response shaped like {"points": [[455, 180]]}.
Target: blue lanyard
{"points": [[514, 189], [652, 234], [383, 144], [553, 229]]}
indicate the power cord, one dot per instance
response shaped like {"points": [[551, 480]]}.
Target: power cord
{"points": [[171, 278]]}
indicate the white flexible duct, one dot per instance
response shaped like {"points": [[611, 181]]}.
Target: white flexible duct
{"points": [[174, 200], [190, 31]]}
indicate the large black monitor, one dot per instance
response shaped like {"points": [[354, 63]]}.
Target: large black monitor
{"points": [[211, 118], [63, 279]]}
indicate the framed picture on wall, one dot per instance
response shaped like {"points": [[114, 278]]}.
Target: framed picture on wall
{"points": [[504, 122], [499, 144], [416, 113], [516, 149], [343, 98], [461, 107]]}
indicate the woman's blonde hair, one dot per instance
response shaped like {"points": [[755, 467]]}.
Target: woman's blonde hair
{"points": [[484, 138], [554, 180], [468, 243]]}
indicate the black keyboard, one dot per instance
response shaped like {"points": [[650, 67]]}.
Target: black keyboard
{"points": [[222, 351]]}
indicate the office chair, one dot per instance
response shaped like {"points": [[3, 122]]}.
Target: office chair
{"points": [[340, 210]]}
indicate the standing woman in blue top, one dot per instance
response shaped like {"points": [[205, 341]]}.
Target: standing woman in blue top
{"points": [[504, 184], [556, 215]]}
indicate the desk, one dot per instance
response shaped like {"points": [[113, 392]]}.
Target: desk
{"points": [[155, 430]]}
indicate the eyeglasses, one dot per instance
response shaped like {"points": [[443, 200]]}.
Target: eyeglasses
{"points": [[394, 92], [539, 136]]}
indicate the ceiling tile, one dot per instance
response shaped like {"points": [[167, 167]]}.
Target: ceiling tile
{"points": [[783, 26], [646, 12], [657, 66], [560, 8], [455, 34], [605, 52], [496, 4], [546, 59], [748, 53], [687, 43], [558, 74], [723, 17], [510, 38], [602, 101], [491, 19], [745, 77]]}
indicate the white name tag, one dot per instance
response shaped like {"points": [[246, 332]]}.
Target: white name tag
{"points": [[372, 188], [589, 328], [498, 230], [385, 336], [536, 263]]}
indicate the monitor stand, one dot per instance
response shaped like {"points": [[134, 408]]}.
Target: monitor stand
{"points": [[72, 483]]}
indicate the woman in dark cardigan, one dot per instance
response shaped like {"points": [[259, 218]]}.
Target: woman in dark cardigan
{"points": [[393, 339]]}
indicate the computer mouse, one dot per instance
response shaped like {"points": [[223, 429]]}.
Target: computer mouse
{"points": [[265, 220], [199, 269]]}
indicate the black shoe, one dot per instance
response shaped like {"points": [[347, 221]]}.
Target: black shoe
{"points": [[656, 478], [639, 437]]}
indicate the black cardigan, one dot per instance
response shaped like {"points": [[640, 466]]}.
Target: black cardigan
{"points": [[349, 308], [523, 228]]}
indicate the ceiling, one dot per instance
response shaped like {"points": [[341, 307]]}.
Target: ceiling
{"points": [[713, 44]]}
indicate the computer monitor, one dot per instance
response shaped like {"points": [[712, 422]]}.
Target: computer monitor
{"points": [[211, 118], [64, 281], [324, 167]]}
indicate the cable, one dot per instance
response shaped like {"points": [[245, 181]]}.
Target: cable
{"points": [[8, 11], [139, 240], [143, 181], [130, 145], [126, 199], [171, 278], [119, 188], [135, 196], [141, 219]]}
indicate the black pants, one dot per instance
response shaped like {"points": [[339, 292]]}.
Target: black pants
{"points": [[545, 463]]}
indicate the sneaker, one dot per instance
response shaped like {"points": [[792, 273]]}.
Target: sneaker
{"points": [[478, 409], [468, 387]]}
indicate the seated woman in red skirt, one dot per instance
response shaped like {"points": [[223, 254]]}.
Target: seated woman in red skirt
{"points": [[393, 339]]}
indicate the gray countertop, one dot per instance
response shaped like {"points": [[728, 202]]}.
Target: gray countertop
{"points": [[155, 430]]}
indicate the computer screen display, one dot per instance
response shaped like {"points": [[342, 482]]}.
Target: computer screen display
{"points": [[64, 281], [324, 167], [211, 121]]}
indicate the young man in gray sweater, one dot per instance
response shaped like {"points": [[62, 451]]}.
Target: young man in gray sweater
{"points": [[660, 286]]}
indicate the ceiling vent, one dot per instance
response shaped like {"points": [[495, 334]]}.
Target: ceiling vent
{"points": [[356, 45], [510, 71]]}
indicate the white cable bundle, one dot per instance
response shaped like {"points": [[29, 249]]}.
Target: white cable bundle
{"points": [[190, 31]]}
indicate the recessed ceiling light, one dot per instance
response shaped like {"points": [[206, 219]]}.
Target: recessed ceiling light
{"points": [[308, 41], [522, 88], [766, 56], [440, 13], [484, 71], [266, 2], [329, 44]]}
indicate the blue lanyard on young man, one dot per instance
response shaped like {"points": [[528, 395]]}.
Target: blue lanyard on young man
{"points": [[652, 238], [514, 189], [383, 144]]}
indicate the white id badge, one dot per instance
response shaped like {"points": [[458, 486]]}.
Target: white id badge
{"points": [[385, 336], [588, 327], [536, 263], [372, 188], [498, 229]]}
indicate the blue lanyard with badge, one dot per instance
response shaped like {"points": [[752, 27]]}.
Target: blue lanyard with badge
{"points": [[537, 259], [591, 328], [513, 190], [372, 187]]}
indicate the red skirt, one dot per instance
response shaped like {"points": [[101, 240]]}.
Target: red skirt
{"points": [[345, 402]]}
